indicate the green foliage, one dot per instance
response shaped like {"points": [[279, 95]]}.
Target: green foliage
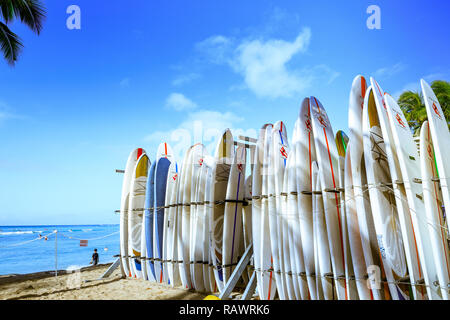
{"points": [[30, 12], [413, 105]]}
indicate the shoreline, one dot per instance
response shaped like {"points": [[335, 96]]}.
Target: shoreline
{"points": [[85, 285]]}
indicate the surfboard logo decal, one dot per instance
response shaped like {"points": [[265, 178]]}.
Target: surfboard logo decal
{"points": [[436, 111], [240, 167], [308, 124], [283, 152], [200, 161], [175, 176], [400, 120]]}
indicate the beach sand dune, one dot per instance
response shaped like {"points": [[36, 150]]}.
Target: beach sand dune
{"points": [[84, 286]]}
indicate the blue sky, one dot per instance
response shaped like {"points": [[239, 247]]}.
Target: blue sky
{"points": [[79, 101]]}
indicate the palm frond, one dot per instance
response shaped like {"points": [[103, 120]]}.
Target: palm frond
{"points": [[7, 10], [30, 12], [10, 44]]}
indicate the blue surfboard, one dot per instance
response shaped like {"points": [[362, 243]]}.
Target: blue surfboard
{"points": [[149, 215], [162, 169]]}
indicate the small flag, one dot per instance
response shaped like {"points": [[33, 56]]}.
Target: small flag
{"points": [[83, 243]]}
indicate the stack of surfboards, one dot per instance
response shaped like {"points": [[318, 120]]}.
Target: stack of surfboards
{"points": [[330, 216]]}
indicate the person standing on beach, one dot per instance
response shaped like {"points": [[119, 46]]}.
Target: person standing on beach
{"points": [[94, 260]]}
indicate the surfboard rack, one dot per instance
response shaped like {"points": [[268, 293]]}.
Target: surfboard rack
{"points": [[235, 276], [111, 269]]}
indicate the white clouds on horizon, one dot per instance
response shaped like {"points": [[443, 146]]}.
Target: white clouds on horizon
{"points": [[179, 102]]}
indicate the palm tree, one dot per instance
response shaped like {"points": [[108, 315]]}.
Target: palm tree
{"points": [[30, 12], [413, 105]]}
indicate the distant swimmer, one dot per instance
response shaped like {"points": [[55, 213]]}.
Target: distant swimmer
{"points": [[94, 260]]}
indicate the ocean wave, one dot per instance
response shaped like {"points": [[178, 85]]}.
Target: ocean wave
{"points": [[8, 233]]}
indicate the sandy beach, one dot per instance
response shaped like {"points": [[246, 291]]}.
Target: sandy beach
{"points": [[83, 285]]}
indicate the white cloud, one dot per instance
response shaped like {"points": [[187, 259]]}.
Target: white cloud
{"points": [[185, 78], [389, 71], [264, 64], [179, 102], [218, 48]]}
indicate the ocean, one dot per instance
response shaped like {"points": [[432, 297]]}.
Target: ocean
{"points": [[22, 251]]}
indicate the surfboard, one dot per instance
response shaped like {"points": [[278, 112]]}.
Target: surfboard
{"points": [[285, 215], [197, 207], [409, 232], [324, 270], [264, 282], [277, 161], [305, 155], [182, 246], [341, 144], [383, 204], [194, 162], [223, 157], [208, 272], [354, 235], [147, 225], [432, 197], [124, 209], [328, 163], [293, 225], [170, 235], [232, 223], [441, 136], [247, 221], [359, 96], [136, 211], [410, 168], [164, 156]]}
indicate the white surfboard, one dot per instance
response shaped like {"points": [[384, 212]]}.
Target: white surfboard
{"points": [[136, 213], [289, 267], [197, 224], [171, 238], [441, 137], [383, 204], [359, 95], [293, 224], [341, 144], [208, 273], [432, 197], [182, 244], [124, 209], [247, 220], [412, 247], [268, 284], [263, 281], [171, 184], [410, 167], [327, 160], [354, 235], [305, 155], [232, 223], [277, 157], [223, 157], [324, 270]]}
